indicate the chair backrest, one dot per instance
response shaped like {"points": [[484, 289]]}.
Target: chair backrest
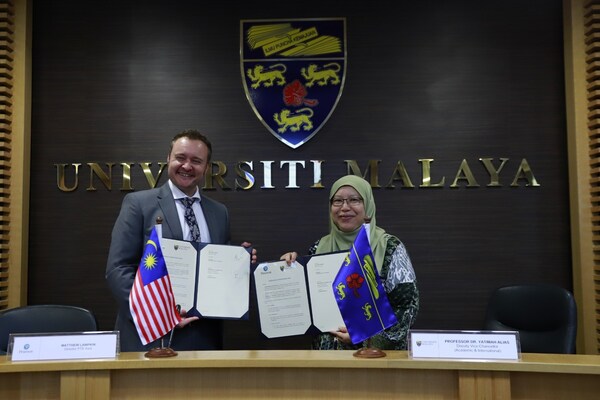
{"points": [[44, 318], [544, 315]]}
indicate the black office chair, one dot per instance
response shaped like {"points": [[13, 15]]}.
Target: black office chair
{"points": [[544, 315], [47, 318]]}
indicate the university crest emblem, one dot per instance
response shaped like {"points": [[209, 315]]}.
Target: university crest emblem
{"points": [[293, 73]]}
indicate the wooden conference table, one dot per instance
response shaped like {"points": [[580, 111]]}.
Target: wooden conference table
{"points": [[301, 374]]}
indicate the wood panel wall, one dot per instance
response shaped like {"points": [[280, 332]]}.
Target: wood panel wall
{"points": [[6, 98], [592, 50]]}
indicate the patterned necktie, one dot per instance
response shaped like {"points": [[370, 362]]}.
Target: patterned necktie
{"points": [[190, 218]]}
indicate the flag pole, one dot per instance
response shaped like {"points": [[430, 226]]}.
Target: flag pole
{"points": [[162, 351]]}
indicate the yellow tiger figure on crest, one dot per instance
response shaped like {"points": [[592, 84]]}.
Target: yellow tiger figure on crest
{"points": [[329, 74], [269, 77], [301, 119]]}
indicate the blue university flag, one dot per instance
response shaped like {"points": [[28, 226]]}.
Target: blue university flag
{"points": [[359, 293]]}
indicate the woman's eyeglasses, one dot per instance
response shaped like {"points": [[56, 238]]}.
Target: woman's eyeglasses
{"points": [[352, 201]]}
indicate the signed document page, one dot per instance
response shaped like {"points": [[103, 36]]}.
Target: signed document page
{"points": [[223, 281], [321, 271], [282, 299], [181, 259]]}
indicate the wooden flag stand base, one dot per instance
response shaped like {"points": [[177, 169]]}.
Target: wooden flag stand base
{"points": [[369, 353], [161, 352]]}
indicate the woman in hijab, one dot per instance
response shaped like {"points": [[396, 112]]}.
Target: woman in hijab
{"points": [[351, 202]]}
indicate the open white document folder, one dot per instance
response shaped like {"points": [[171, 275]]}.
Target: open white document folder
{"points": [[286, 295], [212, 281]]}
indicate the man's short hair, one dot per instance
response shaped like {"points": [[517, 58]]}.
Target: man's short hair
{"points": [[192, 134]]}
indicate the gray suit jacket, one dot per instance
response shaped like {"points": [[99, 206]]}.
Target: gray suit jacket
{"points": [[131, 231]]}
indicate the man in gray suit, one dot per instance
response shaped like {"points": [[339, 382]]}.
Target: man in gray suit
{"points": [[188, 160]]}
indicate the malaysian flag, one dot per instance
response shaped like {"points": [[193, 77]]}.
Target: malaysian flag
{"points": [[151, 300]]}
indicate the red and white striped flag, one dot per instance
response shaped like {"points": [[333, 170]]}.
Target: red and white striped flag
{"points": [[151, 299]]}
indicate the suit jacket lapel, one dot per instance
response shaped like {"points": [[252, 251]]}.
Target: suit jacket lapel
{"points": [[211, 220], [171, 226]]}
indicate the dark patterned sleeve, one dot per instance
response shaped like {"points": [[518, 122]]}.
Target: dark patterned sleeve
{"points": [[313, 249], [400, 284]]}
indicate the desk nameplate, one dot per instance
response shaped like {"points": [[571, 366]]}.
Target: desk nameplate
{"points": [[63, 346], [465, 345]]}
